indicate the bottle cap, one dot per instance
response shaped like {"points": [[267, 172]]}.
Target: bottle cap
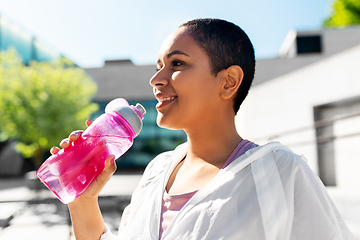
{"points": [[132, 114]]}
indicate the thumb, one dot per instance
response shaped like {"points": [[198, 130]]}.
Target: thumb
{"points": [[110, 163], [109, 170]]}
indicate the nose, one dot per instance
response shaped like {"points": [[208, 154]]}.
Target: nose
{"points": [[159, 79]]}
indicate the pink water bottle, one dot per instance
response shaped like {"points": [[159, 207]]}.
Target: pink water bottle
{"points": [[70, 172]]}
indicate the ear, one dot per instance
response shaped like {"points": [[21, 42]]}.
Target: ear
{"points": [[233, 79]]}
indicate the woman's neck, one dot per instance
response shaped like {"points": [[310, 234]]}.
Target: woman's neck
{"points": [[212, 142]]}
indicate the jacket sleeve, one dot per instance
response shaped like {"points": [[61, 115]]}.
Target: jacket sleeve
{"points": [[315, 215], [297, 199], [108, 235]]}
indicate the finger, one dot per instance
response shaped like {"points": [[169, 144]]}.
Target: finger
{"points": [[65, 143], [75, 135], [109, 170], [88, 122], [110, 165], [54, 150]]}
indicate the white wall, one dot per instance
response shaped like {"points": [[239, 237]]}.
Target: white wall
{"points": [[286, 103]]}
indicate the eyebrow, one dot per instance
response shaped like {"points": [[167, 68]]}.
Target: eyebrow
{"points": [[172, 53], [175, 52]]}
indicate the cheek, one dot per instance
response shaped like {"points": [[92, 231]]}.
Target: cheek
{"points": [[177, 74], [178, 77]]}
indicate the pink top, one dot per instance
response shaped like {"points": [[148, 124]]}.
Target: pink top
{"points": [[172, 203]]}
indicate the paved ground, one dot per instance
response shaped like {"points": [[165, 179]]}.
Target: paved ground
{"points": [[38, 215]]}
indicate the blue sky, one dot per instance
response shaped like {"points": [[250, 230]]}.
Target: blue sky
{"points": [[91, 31]]}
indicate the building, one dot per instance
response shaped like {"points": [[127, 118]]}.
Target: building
{"points": [[309, 99], [28, 46]]}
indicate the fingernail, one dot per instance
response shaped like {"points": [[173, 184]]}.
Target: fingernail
{"points": [[64, 141], [112, 161], [74, 133]]}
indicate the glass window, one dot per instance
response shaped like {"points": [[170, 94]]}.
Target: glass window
{"points": [[29, 48], [13, 36], [43, 52]]}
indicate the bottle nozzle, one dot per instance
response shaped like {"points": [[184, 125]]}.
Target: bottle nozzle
{"points": [[133, 115], [139, 107]]}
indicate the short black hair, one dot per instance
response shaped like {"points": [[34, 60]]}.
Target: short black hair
{"points": [[226, 44]]}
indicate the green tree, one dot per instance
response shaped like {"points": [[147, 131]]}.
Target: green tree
{"points": [[41, 103], [344, 13]]}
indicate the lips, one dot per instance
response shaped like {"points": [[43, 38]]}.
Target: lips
{"points": [[163, 101]]}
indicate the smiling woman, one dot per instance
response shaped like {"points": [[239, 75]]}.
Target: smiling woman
{"points": [[216, 185], [184, 84]]}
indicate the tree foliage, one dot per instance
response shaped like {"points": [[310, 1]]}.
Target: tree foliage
{"points": [[344, 13], [42, 103]]}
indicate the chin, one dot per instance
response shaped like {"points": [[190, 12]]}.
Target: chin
{"points": [[166, 123]]}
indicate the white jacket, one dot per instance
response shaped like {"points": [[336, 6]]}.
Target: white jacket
{"points": [[268, 193]]}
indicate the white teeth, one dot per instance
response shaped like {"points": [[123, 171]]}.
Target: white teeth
{"points": [[167, 99]]}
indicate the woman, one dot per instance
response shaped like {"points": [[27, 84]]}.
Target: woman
{"points": [[217, 185]]}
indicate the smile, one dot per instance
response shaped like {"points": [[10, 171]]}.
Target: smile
{"points": [[166, 99], [163, 101]]}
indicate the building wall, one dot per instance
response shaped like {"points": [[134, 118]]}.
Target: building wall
{"points": [[282, 109]]}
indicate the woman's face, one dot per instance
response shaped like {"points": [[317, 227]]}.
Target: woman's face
{"points": [[184, 86]]}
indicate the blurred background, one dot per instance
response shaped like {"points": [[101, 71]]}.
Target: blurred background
{"points": [[61, 62]]}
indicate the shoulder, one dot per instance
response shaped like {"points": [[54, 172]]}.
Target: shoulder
{"points": [[285, 170], [280, 153], [283, 159]]}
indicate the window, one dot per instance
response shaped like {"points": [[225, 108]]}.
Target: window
{"points": [[338, 138], [308, 44]]}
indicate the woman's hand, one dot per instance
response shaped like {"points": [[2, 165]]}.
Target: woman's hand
{"points": [[72, 137], [93, 191]]}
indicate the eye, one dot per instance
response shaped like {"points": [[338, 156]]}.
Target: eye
{"points": [[177, 63]]}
